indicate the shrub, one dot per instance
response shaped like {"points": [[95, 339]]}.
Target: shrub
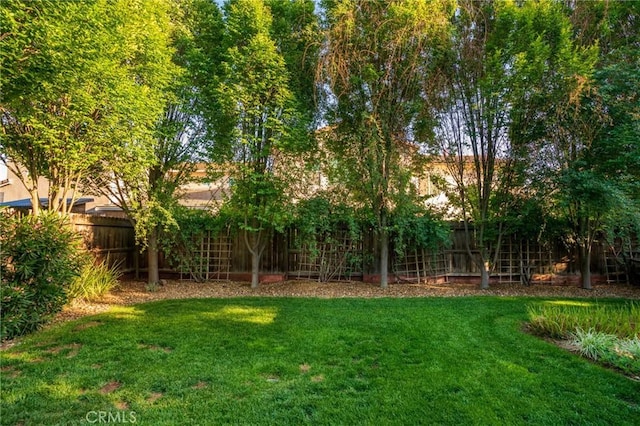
{"points": [[39, 257], [94, 281]]}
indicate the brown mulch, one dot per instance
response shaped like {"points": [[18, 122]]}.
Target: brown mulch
{"points": [[132, 292]]}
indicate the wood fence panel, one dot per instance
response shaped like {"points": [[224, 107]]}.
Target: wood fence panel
{"points": [[110, 239]]}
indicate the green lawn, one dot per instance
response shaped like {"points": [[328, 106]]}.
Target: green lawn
{"points": [[293, 361]]}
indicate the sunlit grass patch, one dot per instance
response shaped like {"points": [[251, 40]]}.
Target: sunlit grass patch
{"points": [[244, 314]]}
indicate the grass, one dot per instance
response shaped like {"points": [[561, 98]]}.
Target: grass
{"points": [[314, 361], [560, 319]]}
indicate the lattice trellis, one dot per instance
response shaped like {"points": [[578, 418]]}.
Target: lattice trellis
{"points": [[338, 257]]}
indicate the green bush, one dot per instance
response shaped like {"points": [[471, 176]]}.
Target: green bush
{"points": [[39, 257], [94, 281]]}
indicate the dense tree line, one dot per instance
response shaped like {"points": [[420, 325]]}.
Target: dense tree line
{"points": [[533, 107]]}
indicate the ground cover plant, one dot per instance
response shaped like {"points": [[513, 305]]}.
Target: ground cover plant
{"points": [[303, 360], [608, 333]]}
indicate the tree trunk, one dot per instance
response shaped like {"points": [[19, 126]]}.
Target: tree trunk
{"points": [[384, 251], [584, 259], [256, 246], [35, 202], [255, 268], [152, 255], [484, 276]]}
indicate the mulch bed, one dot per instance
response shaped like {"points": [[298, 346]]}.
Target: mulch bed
{"points": [[132, 292]]}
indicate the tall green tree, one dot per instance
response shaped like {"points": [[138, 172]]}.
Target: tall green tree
{"points": [[78, 79], [147, 186], [509, 65], [262, 113], [593, 130], [579, 131], [376, 57], [471, 135]]}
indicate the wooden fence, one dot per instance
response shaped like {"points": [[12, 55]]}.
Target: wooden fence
{"points": [[110, 239], [224, 256]]}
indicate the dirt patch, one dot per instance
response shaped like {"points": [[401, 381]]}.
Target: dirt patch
{"points": [[155, 348], [75, 349], [305, 368], [154, 397], [86, 325], [200, 385], [110, 387], [10, 372], [122, 405], [72, 350]]}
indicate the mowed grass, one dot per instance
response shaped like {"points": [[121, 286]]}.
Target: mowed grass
{"points": [[279, 361]]}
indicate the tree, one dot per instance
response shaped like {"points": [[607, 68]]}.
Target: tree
{"points": [[577, 131], [145, 177], [471, 135], [66, 100], [259, 113], [593, 129], [509, 64], [376, 57]]}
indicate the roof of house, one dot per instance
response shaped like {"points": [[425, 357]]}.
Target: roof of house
{"points": [[25, 203]]}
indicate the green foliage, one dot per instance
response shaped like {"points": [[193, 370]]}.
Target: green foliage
{"points": [[415, 228], [592, 344], [192, 227], [318, 219], [95, 280], [607, 333], [39, 258], [561, 319], [82, 86], [376, 64], [331, 233], [260, 117]]}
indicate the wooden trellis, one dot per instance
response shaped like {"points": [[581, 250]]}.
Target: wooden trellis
{"points": [[338, 257], [210, 258], [519, 261]]}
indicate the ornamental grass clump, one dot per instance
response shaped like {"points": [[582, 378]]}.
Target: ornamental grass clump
{"points": [[94, 281], [623, 354], [561, 319], [593, 344]]}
